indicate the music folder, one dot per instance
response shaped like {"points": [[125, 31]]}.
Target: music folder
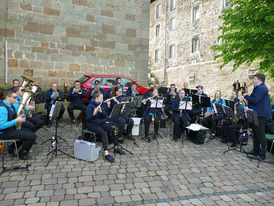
{"points": [[185, 105], [159, 103], [137, 100], [116, 110]]}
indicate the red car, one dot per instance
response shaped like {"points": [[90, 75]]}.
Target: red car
{"points": [[106, 82]]}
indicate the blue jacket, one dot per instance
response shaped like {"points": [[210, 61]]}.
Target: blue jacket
{"points": [[7, 116], [89, 96], [147, 95], [220, 101], [76, 98], [112, 103], [259, 101], [99, 118], [129, 93], [175, 107], [49, 99], [109, 92]]}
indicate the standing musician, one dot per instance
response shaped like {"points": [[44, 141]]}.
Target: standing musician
{"points": [[96, 122], [179, 117], [53, 95], [132, 92], [96, 86], [8, 120], [114, 84], [75, 95], [151, 114], [149, 93], [170, 96], [259, 101], [212, 120], [121, 121], [33, 123], [15, 83]]}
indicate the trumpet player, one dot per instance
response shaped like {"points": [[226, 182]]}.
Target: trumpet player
{"points": [[75, 96], [96, 86], [8, 120], [132, 92], [170, 96], [33, 123], [53, 95]]}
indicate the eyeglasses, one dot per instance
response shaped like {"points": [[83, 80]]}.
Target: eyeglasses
{"points": [[14, 97]]}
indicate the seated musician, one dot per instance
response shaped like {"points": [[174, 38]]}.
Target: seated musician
{"points": [[8, 120], [163, 89], [114, 84], [170, 96], [234, 97], [231, 126], [15, 83], [75, 96], [33, 123], [132, 92], [53, 95], [212, 120], [151, 114], [179, 116], [198, 109], [121, 121], [96, 122], [96, 86], [148, 93], [185, 85]]}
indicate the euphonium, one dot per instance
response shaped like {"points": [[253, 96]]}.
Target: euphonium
{"points": [[22, 105], [26, 82], [33, 89], [234, 119]]}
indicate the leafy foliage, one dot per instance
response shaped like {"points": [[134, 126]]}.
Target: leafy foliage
{"points": [[247, 35]]}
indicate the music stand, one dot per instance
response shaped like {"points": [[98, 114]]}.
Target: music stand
{"points": [[162, 91], [138, 100], [56, 149], [220, 109], [126, 99], [228, 112], [185, 105]]}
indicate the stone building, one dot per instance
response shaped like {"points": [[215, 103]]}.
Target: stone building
{"points": [[57, 40], [181, 35]]}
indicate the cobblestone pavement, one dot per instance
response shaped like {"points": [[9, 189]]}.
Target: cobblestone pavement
{"points": [[164, 174]]}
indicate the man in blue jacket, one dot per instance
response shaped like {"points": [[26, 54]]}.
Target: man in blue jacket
{"points": [[259, 101], [97, 86]]}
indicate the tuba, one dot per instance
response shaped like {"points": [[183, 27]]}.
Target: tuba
{"points": [[22, 105], [26, 82]]}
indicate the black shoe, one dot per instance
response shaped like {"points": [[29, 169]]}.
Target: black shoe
{"points": [[119, 151], [26, 157], [109, 158], [252, 152], [255, 157], [234, 144], [155, 136], [175, 139], [224, 141], [148, 139], [49, 125], [121, 140], [130, 137]]}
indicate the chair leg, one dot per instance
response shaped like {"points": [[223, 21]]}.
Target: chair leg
{"points": [[16, 149], [271, 145]]}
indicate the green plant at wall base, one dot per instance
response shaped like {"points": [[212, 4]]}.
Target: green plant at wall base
{"points": [[247, 35]]}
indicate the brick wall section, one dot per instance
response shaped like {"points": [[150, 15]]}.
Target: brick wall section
{"points": [[61, 41], [201, 64]]}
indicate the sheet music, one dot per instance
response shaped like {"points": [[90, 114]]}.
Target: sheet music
{"points": [[215, 109], [51, 111], [185, 105], [196, 127], [156, 104]]}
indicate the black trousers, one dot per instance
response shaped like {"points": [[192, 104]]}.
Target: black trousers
{"points": [[26, 136], [167, 110], [147, 120], [102, 132], [72, 106], [259, 135], [33, 123], [211, 122], [129, 123], [121, 123], [62, 110], [179, 125]]}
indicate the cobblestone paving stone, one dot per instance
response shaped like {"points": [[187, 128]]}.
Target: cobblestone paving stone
{"points": [[164, 174]]}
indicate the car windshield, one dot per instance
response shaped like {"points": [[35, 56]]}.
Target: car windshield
{"points": [[83, 79]]}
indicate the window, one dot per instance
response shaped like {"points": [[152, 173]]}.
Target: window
{"points": [[126, 82], [172, 51], [158, 11], [108, 81], [92, 82], [172, 24], [195, 44], [157, 30], [196, 13], [83, 79], [225, 4], [157, 56], [172, 5]]}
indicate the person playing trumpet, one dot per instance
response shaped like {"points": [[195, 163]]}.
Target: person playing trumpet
{"points": [[170, 96], [96, 86], [53, 95], [75, 96]]}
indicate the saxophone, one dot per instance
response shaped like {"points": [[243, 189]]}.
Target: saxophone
{"points": [[235, 119]]}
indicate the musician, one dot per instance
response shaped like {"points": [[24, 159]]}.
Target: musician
{"points": [[114, 84], [244, 88], [170, 96], [75, 95], [212, 120], [198, 109], [33, 123], [185, 85], [8, 119], [180, 117], [53, 95], [259, 101], [236, 87], [120, 84], [121, 121], [163, 89], [149, 93], [132, 92], [96, 86], [151, 114], [15, 83], [234, 97], [97, 123]]}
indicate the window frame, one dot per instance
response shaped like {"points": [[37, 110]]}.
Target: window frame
{"points": [[172, 28], [170, 51], [193, 38], [157, 26], [158, 15], [155, 59], [194, 14], [174, 5]]}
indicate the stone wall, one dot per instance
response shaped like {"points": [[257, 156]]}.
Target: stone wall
{"points": [[199, 66], [60, 40]]}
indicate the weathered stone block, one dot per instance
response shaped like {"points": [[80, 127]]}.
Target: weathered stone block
{"points": [[50, 11], [12, 63]]}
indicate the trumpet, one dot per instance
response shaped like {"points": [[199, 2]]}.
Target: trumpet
{"points": [[78, 90]]}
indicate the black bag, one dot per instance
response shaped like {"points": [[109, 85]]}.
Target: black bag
{"points": [[197, 137]]}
